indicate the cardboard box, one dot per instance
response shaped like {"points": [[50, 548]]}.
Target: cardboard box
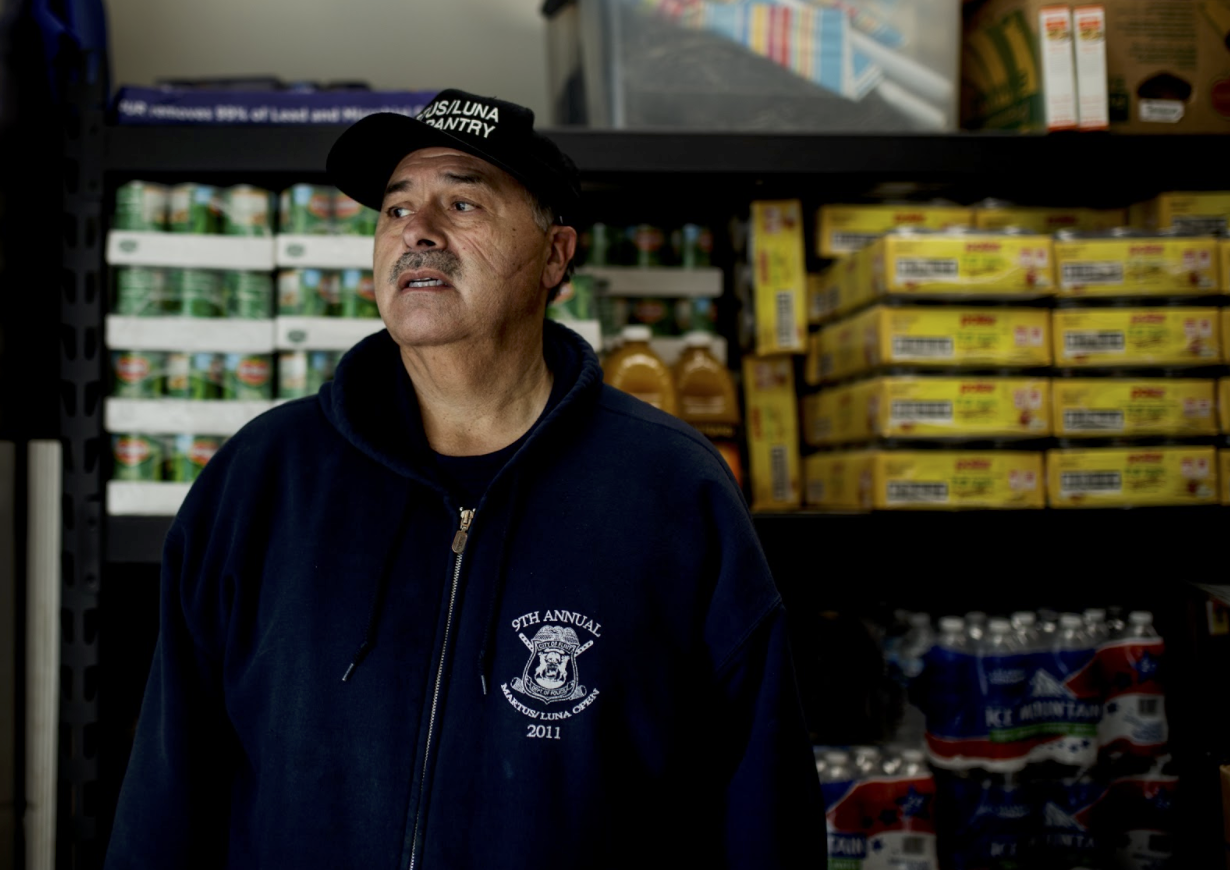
{"points": [[1223, 405], [1049, 220], [1223, 479], [844, 229], [955, 479], [936, 337], [779, 277], [907, 407], [1190, 212], [1141, 266], [1089, 48], [840, 480], [966, 264], [1132, 477], [1136, 337], [772, 432], [1168, 70], [1115, 407]]}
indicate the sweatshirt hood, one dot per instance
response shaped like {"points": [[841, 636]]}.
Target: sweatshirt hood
{"points": [[371, 401]]}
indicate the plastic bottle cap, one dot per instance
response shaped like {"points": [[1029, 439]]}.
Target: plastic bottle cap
{"points": [[975, 616], [835, 758], [1071, 620], [920, 620], [1095, 614], [698, 339], [636, 333], [1140, 617], [912, 756], [1026, 618], [952, 623], [999, 626]]}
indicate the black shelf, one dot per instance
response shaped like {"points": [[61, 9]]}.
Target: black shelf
{"points": [[1070, 166]]}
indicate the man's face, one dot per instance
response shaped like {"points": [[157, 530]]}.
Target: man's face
{"points": [[458, 254]]}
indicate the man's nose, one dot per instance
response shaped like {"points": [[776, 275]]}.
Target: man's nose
{"points": [[423, 230]]}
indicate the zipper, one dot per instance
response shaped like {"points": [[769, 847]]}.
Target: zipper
{"points": [[458, 548]]}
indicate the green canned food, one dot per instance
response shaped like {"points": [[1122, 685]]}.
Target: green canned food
{"points": [[599, 246], [247, 376], [196, 293], [138, 373], [140, 291], [309, 292], [140, 205], [320, 367], [137, 457], [292, 374], [194, 209], [178, 382], [648, 244], [358, 293], [205, 376], [352, 218], [575, 300], [189, 455], [247, 211], [249, 294], [656, 313], [307, 209], [693, 246]]}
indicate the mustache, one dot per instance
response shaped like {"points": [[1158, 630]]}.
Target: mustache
{"points": [[444, 262]]}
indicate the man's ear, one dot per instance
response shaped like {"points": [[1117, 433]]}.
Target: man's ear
{"points": [[563, 247]]}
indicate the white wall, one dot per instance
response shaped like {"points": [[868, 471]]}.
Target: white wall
{"points": [[491, 47]]}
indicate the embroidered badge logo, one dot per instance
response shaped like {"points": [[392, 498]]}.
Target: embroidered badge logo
{"points": [[551, 675]]}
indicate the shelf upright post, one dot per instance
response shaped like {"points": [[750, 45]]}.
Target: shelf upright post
{"points": [[82, 303]]}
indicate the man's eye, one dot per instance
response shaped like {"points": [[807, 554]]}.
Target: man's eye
{"points": [[397, 211], [462, 205]]}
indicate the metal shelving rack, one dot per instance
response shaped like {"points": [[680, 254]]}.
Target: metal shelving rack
{"points": [[728, 168]]}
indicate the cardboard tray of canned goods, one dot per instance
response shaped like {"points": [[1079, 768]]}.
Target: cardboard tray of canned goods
{"points": [[189, 250], [323, 333], [190, 334], [324, 252], [656, 280], [145, 497], [202, 417]]}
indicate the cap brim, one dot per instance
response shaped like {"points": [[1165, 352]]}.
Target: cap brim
{"points": [[363, 158]]}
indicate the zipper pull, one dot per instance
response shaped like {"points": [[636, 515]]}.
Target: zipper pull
{"points": [[459, 539]]}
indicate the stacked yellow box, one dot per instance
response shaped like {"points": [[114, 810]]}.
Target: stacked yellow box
{"points": [[1136, 338]]}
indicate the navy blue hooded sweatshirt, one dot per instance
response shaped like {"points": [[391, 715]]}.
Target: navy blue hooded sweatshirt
{"points": [[593, 673]]}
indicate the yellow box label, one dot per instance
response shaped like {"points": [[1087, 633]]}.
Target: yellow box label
{"points": [[1002, 337], [1223, 475], [780, 277], [1100, 407], [909, 407], [944, 479], [1142, 476], [1050, 220], [1004, 265], [773, 432], [1137, 267], [1133, 336], [1223, 404], [842, 229], [839, 481], [1207, 212]]}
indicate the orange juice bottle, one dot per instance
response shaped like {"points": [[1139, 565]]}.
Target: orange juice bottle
{"points": [[638, 371], [707, 397]]}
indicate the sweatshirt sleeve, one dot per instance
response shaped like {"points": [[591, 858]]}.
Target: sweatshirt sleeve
{"points": [[774, 816], [173, 806]]}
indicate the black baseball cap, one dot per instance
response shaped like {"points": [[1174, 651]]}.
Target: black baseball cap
{"points": [[497, 131]]}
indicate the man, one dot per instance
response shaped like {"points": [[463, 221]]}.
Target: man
{"points": [[467, 607]]}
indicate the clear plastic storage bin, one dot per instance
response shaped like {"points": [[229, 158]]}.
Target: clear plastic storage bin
{"points": [[814, 65]]}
